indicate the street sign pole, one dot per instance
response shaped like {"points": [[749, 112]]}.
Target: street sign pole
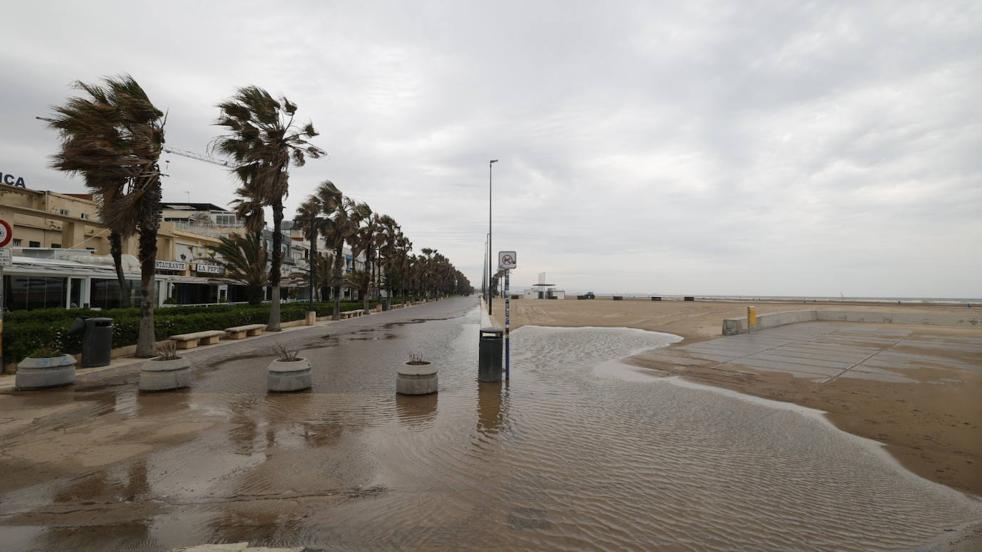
{"points": [[6, 235], [507, 327], [507, 260], [2, 367]]}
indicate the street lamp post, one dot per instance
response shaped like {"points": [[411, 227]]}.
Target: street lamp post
{"points": [[490, 249]]}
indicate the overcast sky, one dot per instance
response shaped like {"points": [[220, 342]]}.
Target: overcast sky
{"points": [[678, 147]]}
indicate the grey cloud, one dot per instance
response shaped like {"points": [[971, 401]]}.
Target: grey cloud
{"points": [[752, 148]]}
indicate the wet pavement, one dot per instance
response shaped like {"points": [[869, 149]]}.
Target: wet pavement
{"points": [[826, 351], [578, 452]]}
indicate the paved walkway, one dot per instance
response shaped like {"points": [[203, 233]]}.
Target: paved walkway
{"points": [[118, 364], [826, 351]]}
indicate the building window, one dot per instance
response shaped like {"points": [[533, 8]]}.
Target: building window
{"points": [[17, 242], [33, 244], [105, 293], [63, 212], [225, 220], [84, 216], [56, 246], [33, 292]]}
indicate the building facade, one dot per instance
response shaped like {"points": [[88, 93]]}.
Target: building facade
{"points": [[61, 256]]}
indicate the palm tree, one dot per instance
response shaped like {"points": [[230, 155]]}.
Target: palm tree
{"points": [[339, 227], [309, 221], [244, 259], [364, 242], [262, 140], [113, 137], [388, 242]]}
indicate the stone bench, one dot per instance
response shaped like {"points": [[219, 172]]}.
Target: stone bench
{"points": [[351, 314], [192, 340], [248, 330]]}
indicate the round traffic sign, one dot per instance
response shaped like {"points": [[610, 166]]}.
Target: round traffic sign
{"points": [[6, 233]]}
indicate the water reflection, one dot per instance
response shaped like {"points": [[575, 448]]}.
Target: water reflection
{"points": [[417, 412], [157, 404], [489, 407]]}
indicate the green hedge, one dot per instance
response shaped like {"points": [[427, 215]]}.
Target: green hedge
{"points": [[26, 331]]}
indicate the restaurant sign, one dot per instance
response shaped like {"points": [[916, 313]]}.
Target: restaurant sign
{"points": [[203, 268], [171, 265]]}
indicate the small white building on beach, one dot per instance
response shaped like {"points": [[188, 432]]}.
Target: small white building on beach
{"points": [[544, 290]]}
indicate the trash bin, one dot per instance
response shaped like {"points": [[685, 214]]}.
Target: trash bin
{"points": [[386, 304], [489, 355], [97, 340]]}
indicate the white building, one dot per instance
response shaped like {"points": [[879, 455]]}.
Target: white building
{"points": [[544, 290]]}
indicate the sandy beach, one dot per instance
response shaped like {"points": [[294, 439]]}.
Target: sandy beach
{"points": [[933, 427]]}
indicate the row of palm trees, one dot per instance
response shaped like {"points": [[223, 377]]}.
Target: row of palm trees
{"points": [[112, 135], [389, 263]]}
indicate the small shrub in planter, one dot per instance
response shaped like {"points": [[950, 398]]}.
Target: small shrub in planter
{"points": [[165, 371], [287, 372], [47, 366]]}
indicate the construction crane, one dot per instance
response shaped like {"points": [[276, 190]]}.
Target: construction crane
{"points": [[174, 151], [197, 156]]}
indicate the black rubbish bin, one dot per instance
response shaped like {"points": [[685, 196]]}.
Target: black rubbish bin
{"points": [[489, 355], [97, 342]]}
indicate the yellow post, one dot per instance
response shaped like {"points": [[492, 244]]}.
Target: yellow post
{"points": [[751, 318]]}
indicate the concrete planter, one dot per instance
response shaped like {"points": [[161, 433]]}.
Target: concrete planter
{"points": [[285, 375], [164, 375], [38, 373], [417, 379]]}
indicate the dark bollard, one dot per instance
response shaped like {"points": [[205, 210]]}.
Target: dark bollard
{"points": [[489, 355]]}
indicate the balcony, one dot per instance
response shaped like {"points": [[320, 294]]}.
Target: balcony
{"points": [[210, 230]]}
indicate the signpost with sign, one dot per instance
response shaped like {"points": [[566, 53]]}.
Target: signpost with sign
{"points": [[6, 235], [507, 260]]}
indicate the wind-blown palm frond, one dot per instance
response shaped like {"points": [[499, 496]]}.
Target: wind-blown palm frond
{"points": [[112, 135]]}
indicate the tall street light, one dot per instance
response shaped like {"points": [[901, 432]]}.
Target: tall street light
{"points": [[490, 249]]}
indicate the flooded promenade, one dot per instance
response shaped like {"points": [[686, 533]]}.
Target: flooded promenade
{"points": [[578, 452]]}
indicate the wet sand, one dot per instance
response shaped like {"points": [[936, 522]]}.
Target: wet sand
{"points": [[934, 428], [579, 452]]}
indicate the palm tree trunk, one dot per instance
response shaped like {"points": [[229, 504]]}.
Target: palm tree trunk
{"points": [[313, 269], [148, 226], [338, 259], [274, 272], [116, 250], [368, 286]]}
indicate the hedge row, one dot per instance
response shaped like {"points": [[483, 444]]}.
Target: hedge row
{"points": [[27, 331]]}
